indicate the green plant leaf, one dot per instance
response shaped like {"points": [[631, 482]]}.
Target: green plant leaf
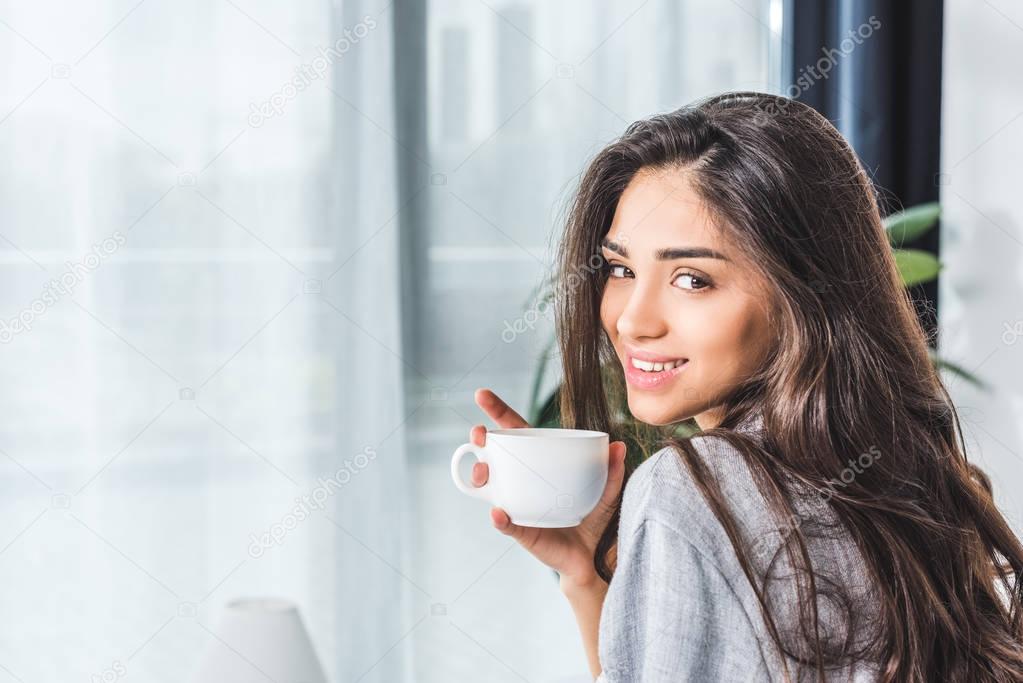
{"points": [[955, 369], [535, 408], [906, 226], [916, 266], [549, 414], [542, 292]]}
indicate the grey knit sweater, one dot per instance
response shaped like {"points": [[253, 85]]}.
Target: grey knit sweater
{"points": [[680, 608]]}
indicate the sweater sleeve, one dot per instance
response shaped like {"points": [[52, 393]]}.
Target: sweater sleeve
{"points": [[670, 615]]}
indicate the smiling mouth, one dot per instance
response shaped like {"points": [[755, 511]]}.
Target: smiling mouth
{"points": [[650, 366], [654, 375]]}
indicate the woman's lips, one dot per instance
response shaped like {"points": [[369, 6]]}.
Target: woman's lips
{"points": [[641, 379]]}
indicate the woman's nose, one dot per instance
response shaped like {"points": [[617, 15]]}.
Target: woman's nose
{"points": [[642, 316]]}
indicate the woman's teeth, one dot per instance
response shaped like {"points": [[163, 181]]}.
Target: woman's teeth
{"points": [[647, 366]]}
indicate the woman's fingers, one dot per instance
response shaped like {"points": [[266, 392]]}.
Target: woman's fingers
{"points": [[478, 435], [480, 474], [526, 536], [499, 411], [480, 470], [615, 477], [500, 518]]}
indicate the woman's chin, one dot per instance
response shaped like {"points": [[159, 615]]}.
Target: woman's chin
{"points": [[652, 412]]}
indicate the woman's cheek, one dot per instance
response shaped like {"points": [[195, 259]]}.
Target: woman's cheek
{"points": [[610, 309]]}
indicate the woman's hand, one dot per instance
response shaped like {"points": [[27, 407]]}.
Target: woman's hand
{"points": [[568, 551]]}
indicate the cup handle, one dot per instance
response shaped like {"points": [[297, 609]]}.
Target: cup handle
{"points": [[466, 487]]}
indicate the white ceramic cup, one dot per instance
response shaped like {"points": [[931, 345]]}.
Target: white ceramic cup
{"points": [[547, 478]]}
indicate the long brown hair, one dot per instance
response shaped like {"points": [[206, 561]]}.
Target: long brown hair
{"points": [[851, 373]]}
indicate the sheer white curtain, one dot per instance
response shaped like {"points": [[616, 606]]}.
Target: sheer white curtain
{"points": [[982, 239], [201, 347], [210, 374]]}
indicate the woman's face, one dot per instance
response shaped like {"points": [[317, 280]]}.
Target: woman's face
{"points": [[686, 317]]}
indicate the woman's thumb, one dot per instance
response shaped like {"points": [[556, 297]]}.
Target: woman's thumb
{"points": [[615, 475]]}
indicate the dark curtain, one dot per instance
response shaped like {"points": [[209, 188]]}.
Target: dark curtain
{"points": [[883, 94]]}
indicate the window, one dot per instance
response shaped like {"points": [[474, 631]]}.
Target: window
{"points": [[520, 96], [202, 321]]}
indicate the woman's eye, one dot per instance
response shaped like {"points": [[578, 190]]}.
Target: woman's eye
{"points": [[690, 281], [617, 270]]}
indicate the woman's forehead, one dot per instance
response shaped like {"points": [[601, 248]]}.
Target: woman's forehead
{"points": [[661, 209]]}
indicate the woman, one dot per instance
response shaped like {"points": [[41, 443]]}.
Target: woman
{"points": [[825, 523]]}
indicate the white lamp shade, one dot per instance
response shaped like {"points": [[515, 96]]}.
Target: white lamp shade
{"points": [[259, 639]]}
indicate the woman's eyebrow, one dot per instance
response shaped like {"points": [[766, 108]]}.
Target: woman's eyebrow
{"points": [[691, 252], [615, 247], [669, 253]]}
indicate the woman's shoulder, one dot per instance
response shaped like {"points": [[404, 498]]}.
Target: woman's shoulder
{"points": [[663, 489]]}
